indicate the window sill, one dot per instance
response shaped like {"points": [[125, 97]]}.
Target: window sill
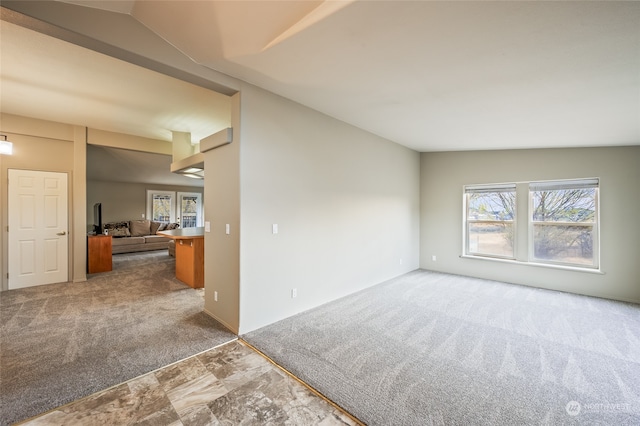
{"points": [[542, 265]]}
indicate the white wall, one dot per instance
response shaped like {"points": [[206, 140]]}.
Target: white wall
{"points": [[346, 203], [444, 174]]}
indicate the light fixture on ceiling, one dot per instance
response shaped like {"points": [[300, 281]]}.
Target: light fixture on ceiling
{"points": [[192, 176], [6, 147], [192, 172]]}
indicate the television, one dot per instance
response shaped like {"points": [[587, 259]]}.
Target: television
{"points": [[97, 218]]}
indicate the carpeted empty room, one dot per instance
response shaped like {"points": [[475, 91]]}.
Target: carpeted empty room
{"points": [[423, 348], [433, 348]]}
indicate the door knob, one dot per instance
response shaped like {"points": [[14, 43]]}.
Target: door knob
{"points": [[62, 233]]}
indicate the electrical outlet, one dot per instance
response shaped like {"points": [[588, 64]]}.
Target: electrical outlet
{"points": [[215, 296], [228, 229], [274, 228], [433, 258], [401, 261], [294, 293]]}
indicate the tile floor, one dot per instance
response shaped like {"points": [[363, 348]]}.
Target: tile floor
{"points": [[228, 385]]}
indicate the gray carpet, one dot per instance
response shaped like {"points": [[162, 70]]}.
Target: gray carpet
{"points": [[61, 342], [436, 349]]}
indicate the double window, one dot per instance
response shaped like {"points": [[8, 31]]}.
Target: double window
{"points": [[562, 222], [184, 208]]}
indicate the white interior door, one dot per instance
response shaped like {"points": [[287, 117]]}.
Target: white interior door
{"points": [[38, 220]]}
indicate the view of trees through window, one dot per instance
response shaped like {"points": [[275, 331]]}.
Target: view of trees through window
{"points": [[490, 219], [563, 222], [563, 225], [161, 208], [184, 208]]}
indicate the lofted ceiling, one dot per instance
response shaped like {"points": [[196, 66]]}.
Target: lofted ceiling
{"points": [[430, 75], [47, 78]]}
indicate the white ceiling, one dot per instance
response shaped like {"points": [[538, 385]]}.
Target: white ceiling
{"points": [[51, 79], [430, 75]]}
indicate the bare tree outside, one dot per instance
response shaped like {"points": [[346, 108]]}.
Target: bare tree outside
{"points": [[563, 221], [563, 225], [490, 217]]}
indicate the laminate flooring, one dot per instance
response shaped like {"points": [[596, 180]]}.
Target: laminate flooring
{"points": [[231, 384]]}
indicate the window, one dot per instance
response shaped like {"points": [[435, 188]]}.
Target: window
{"points": [[564, 222], [161, 206], [562, 229], [190, 213], [185, 209], [490, 220]]}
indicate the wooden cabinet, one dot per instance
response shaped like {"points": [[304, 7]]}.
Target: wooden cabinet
{"points": [[189, 254], [190, 261], [99, 253]]}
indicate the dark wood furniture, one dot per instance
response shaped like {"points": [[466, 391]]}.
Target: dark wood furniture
{"points": [[99, 253]]}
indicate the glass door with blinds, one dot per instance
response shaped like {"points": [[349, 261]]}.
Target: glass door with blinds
{"points": [[190, 210], [161, 206]]}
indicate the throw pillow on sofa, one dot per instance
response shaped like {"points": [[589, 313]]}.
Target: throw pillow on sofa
{"points": [[140, 228], [155, 227], [117, 229], [164, 226]]}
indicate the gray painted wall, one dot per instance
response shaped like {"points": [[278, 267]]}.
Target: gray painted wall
{"points": [[46, 146], [124, 201], [346, 203], [222, 206], [444, 174]]}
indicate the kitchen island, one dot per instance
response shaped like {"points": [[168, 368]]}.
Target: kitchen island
{"points": [[189, 254]]}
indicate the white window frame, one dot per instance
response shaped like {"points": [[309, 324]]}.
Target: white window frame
{"points": [[471, 189], [199, 212], [595, 225], [172, 209]]}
